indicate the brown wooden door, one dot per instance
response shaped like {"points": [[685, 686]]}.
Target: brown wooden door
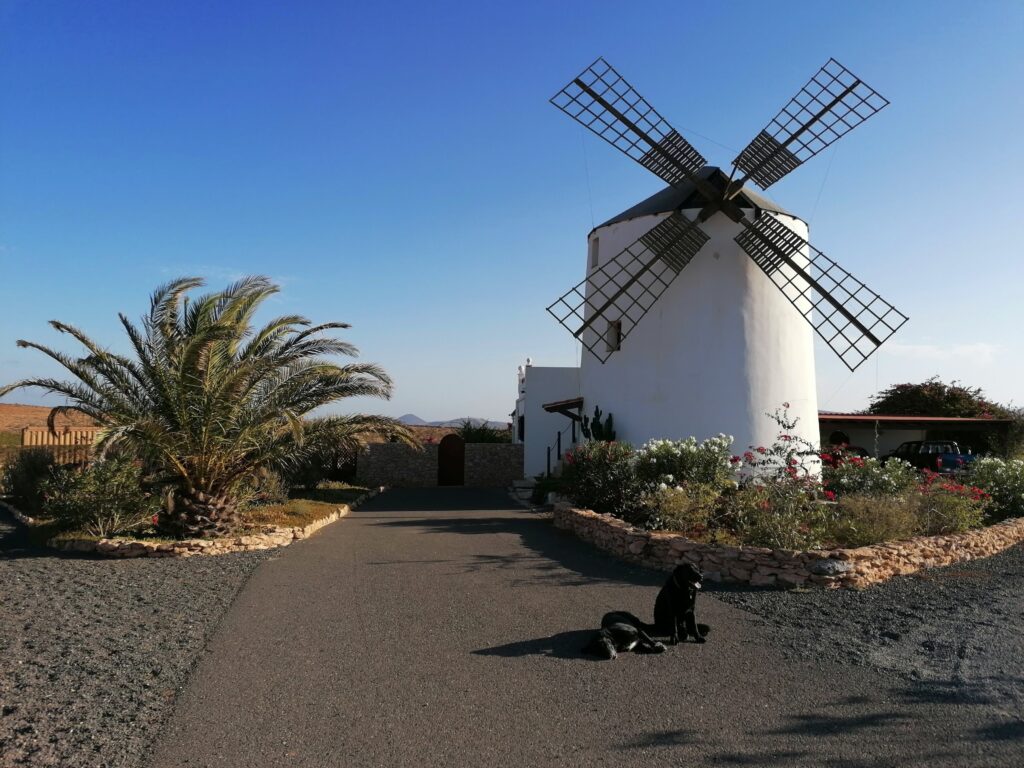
{"points": [[451, 461]]}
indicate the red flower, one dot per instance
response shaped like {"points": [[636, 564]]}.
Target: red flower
{"points": [[735, 460], [748, 456], [760, 449], [830, 495], [156, 519]]}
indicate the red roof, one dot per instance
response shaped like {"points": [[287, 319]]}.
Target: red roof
{"points": [[871, 418]]}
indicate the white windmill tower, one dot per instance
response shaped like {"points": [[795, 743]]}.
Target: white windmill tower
{"points": [[730, 341]]}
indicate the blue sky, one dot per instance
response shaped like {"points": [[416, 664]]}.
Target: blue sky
{"points": [[397, 166]]}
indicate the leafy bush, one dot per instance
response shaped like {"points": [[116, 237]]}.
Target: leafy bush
{"points": [[24, 475], [777, 513], [789, 457], [602, 477], [949, 507], [689, 508], [844, 474], [100, 499], [1003, 481], [866, 518], [675, 462], [263, 487], [481, 433]]}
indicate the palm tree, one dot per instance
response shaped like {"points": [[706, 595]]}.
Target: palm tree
{"points": [[206, 400]]}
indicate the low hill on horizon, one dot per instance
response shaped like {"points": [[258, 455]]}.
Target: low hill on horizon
{"points": [[413, 420]]}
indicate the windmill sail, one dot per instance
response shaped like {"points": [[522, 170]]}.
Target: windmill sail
{"points": [[603, 101], [851, 318], [603, 309], [830, 105]]}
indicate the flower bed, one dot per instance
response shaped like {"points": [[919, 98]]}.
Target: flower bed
{"points": [[856, 567], [268, 537]]}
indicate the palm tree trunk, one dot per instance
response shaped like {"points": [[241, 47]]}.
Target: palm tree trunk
{"points": [[201, 515]]}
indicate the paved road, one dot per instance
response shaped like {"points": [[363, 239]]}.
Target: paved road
{"points": [[441, 628]]}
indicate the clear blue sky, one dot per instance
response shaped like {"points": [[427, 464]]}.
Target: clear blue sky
{"points": [[397, 166]]}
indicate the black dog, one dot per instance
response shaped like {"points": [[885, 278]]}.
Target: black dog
{"points": [[621, 631], [674, 607]]}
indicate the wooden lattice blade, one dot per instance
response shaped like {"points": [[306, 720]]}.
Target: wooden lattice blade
{"points": [[832, 103], [602, 310], [850, 317], [603, 101]]}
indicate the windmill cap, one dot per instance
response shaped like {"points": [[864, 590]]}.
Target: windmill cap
{"points": [[685, 196]]}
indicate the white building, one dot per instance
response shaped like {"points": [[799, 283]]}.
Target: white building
{"points": [[720, 349], [537, 428]]}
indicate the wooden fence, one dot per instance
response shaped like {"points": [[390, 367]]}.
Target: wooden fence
{"points": [[69, 445]]}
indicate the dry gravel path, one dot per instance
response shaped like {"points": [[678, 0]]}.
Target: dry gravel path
{"points": [[442, 627]]}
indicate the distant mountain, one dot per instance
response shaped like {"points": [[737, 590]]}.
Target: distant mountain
{"points": [[413, 420]]}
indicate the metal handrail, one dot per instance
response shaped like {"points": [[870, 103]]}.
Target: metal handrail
{"points": [[558, 444]]}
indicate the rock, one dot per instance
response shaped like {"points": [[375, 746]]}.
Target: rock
{"points": [[829, 567]]}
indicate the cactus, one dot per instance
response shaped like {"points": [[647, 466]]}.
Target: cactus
{"points": [[595, 429]]}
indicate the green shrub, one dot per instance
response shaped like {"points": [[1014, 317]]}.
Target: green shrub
{"points": [[1003, 481], [776, 513], [602, 477], [688, 508], [844, 475], [676, 462], [100, 499], [24, 475], [263, 487], [859, 519], [481, 433], [948, 510]]}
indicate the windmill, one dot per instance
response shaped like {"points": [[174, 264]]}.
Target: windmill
{"points": [[852, 319], [734, 340]]}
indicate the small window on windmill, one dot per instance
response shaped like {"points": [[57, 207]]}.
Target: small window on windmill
{"points": [[593, 252], [613, 336]]}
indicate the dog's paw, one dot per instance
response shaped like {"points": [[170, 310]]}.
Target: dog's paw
{"points": [[658, 648]]}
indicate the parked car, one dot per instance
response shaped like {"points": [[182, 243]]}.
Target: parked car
{"points": [[942, 456]]}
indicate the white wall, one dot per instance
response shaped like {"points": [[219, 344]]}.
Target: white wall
{"points": [[539, 385], [720, 348]]}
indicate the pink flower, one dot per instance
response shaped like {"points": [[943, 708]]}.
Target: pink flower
{"points": [[760, 449], [793, 462], [748, 456]]}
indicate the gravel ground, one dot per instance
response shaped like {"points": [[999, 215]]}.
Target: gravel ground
{"points": [[958, 629], [93, 652]]}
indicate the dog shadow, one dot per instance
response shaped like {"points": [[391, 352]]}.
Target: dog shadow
{"points": [[564, 645]]}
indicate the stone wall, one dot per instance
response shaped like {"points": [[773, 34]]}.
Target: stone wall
{"points": [[397, 465], [851, 568], [493, 465]]}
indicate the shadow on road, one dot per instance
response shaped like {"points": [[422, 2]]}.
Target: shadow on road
{"points": [[564, 645]]}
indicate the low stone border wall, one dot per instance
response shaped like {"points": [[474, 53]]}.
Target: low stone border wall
{"points": [[269, 538], [855, 568]]}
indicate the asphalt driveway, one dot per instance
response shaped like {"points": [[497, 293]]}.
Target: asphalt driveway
{"points": [[441, 628]]}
